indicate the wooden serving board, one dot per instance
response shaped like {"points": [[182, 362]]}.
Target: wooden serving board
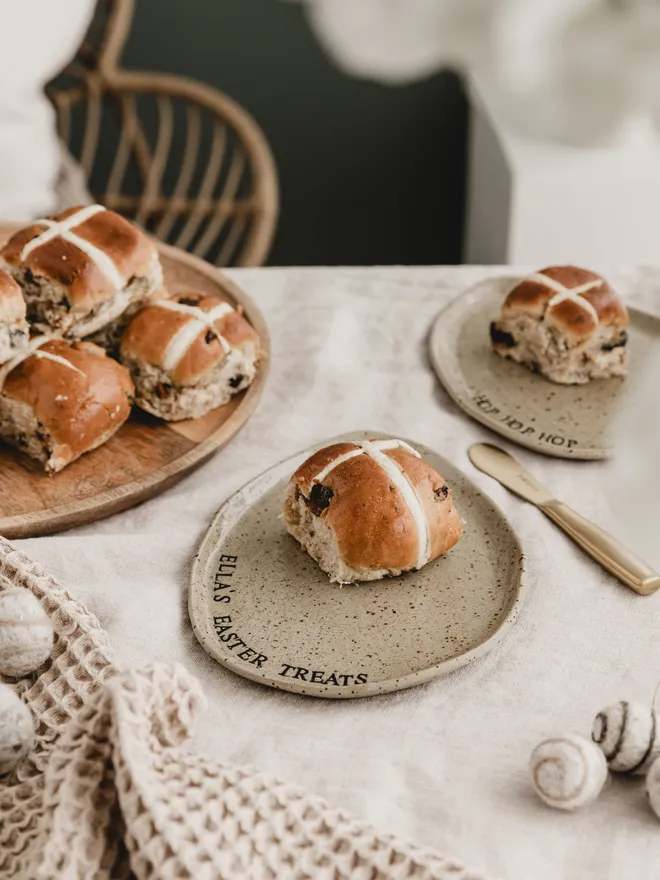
{"points": [[146, 456]]}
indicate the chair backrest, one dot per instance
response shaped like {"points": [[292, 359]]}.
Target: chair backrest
{"points": [[175, 155]]}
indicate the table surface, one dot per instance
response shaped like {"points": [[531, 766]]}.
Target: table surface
{"points": [[445, 764]]}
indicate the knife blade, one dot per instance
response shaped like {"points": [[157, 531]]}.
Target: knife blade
{"points": [[506, 470]]}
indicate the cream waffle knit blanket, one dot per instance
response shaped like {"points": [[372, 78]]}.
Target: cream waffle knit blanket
{"points": [[110, 790]]}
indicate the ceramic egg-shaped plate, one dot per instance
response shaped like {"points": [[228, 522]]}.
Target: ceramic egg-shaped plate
{"points": [[567, 421], [263, 608]]}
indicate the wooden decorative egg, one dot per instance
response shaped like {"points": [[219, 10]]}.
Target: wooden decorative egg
{"points": [[26, 634], [568, 772], [628, 735], [16, 729]]}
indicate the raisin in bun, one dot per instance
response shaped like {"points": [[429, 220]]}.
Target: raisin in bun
{"points": [[81, 270], [566, 323], [188, 355], [60, 400], [14, 329], [369, 509]]}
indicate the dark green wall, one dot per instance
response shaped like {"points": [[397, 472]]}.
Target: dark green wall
{"points": [[368, 174]]}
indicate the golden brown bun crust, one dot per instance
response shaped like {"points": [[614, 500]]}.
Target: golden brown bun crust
{"points": [[532, 297], [12, 304], [372, 523], [60, 261], [444, 524], [151, 330], [76, 409]]}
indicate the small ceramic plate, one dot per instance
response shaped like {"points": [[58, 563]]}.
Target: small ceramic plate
{"points": [[263, 608], [568, 421]]}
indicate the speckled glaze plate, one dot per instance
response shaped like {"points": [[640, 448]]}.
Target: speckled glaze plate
{"points": [[262, 607], [568, 421]]}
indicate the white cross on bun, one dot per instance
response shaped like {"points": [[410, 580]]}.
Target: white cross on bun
{"points": [[81, 270], [567, 324], [188, 355], [370, 509], [14, 329], [60, 400]]}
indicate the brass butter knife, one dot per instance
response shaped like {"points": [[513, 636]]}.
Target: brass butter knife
{"points": [[605, 549]]}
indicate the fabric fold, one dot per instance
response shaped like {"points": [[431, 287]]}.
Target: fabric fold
{"points": [[111, 790]]}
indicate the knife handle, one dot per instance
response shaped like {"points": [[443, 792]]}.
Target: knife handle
{"points": [[605, 549]]}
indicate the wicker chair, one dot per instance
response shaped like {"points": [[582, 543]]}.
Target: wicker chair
{"points": [[176, 156]]}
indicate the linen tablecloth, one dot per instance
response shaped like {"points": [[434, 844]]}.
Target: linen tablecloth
{"points": [[444, 764]]}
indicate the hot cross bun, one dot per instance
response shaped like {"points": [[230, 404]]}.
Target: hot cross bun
{"points": [[188, 355], [81, 270], [369, 509], [14, 330], [567, 324], [60, 400]]}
